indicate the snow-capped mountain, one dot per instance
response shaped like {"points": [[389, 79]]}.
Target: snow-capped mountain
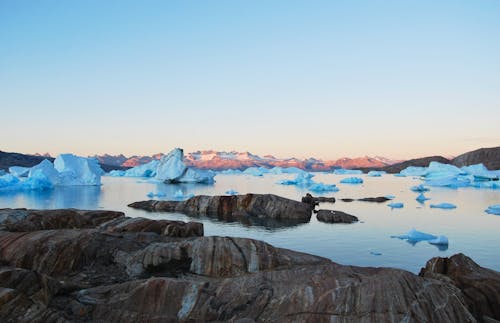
{"points": [[219, 160]]}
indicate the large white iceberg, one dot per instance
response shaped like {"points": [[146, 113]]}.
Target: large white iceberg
{"points": [[74, 170], [172, 169], [144, 170], [352, 180]]}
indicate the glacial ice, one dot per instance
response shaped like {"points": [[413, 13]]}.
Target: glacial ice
{"points": [[390, 197], [341, 171], [255, 171], [230, 171], [321, 187], [19, 171], [171, 166], [419, 188], [2, 172], [480, 172], [231, 192], [157, 194], [395, 205], [116, 173], [8, 181], [197, 176], [492, 209], [422, 198], [44, 173], [416, 236], [443, 206], [375, 173], [145, 170], [302, 179], [414, 171], [352, 180], [74, 170]]}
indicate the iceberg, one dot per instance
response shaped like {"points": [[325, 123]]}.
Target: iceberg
{"points": [[440, 240], [158, 194], [321, 187], [443, 206], [375, 173], [231, 192], [172, 169], [303, 178], [254, 171], [492, 209], [8, 181], [74, 170], [390, 197], [44, 173], [145, 170], [116, 173], [395, 205], [230, 171], [341, 171], [414, 236], [413, 171], [19, 171], [419, 188], [352, 180], [422, 198], [178, 195], [480, 172]]}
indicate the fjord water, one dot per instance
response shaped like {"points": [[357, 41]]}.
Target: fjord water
{"points": [[470, 230]]}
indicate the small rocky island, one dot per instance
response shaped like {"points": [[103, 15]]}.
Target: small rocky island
{"points": [[76, 266]]}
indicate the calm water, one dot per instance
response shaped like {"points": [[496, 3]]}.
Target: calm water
{"points": [[470, 230]]}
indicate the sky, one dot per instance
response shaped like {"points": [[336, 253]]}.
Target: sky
{"points": [[323, 79]]}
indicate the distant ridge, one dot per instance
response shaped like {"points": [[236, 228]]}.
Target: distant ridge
{"points": [[490, 157]]}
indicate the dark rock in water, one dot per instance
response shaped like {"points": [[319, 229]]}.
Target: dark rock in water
{"points": [[480, 286], [125, 271], [378, 199], [231, 207], [331, 216], [315, 200], [347, 200]]}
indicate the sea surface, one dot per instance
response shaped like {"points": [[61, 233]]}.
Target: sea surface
{"points": [[469, 229]]}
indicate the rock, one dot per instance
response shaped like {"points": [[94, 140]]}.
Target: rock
{"points": [[489, 157], [330, 216], [233, 207], [378, 199], [125, 271], [315, 200], [165, 227], [480, 286]]}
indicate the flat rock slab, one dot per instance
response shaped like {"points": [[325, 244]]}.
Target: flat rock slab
{"points": [[331, 216]]}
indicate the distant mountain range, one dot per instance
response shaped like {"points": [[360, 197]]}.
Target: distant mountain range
{"points": [[219, 160], [216, 160]]}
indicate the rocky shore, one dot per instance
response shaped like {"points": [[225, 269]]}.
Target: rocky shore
{"points": [[77, 266]]}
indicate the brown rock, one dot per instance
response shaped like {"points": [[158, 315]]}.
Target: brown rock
{"points": [[315, 200], [330, 216]]}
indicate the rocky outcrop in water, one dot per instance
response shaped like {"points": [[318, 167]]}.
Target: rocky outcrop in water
{"points": [[330, 216], [229, 207], [480, 286], [106, 274], [315, 200]]}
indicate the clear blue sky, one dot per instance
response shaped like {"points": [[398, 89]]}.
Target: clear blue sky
{"points": [[290, 78]]}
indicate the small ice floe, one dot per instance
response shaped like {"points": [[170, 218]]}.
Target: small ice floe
{"points": [[443, 206], [178, 195], [376, 173], [352, 180], [419, 188], [231, 192], [390, 197], [395, 205], [422, 198], [341, 171], [493, 209], [375, 253], [303, 178], [414, 236], [157, 194], [321, 187]]}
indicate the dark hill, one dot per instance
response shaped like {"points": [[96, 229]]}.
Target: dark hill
{"points": [[489, 157]]}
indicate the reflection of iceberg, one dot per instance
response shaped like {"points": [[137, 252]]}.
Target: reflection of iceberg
{"points": [[341, 171], [493, 209], [395, 205], [443, 206], [414, 236], [352, 180], [179, 195]]}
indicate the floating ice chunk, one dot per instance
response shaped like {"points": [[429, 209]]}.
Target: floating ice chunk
{"points": [[171, 166], [422, 198], [493, 209], [341, 171], [413, 171], [230, 171], [150, 195], [178, 195], [399, 175], [375, 253], [292, 170], [197, 176], [375, 173], [254, 171], [390, 197], [157, 194], [419, 188], [415, 236], [443, 206], [116, 173], [352, 180], [145, 170], [231, 192], [74, 170], [395, 205], [450, 181], [321, 187], [480, 172], [440, 240], [488, 184], [19, 171], [303, 178]]}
